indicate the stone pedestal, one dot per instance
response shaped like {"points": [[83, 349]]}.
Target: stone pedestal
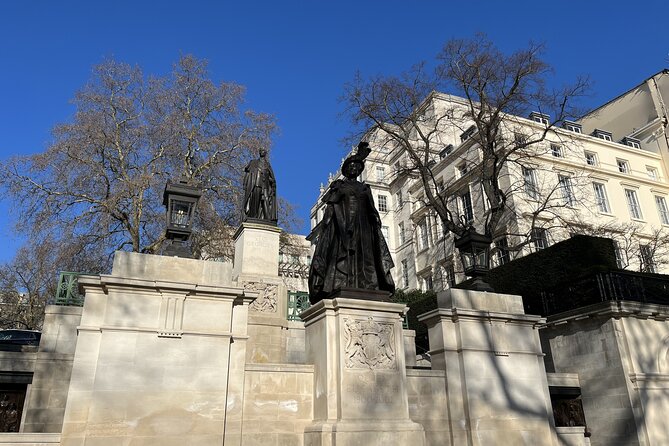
{"points": [[495, 376], [160, 355], [256, 251], [256, 269], [360, 388]]}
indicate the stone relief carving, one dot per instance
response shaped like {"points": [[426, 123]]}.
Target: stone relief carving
{"points": [[267, 300], [369, 344]]}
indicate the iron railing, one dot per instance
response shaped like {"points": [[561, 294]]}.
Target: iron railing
{"points": [[298, 301], [67, 292], [607, 286]]}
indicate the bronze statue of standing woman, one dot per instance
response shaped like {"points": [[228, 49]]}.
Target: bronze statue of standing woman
{"points": [[351, 251], [259, 201]]}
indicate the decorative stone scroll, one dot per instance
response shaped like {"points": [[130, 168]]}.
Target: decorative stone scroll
{"points": [[369, 344], [267, 300]]}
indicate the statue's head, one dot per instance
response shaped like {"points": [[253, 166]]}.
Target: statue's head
{"points": [[355, 163], [262, 152], [352, 169]]}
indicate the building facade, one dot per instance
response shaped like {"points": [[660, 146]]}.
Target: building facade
{"points": [[583, 177]]}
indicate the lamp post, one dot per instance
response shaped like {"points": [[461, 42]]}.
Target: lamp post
{"points": [[474, 251], [180, 200]]}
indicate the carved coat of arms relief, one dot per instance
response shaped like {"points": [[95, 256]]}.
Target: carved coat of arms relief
{"points": [[267, 300], [369, 344]]}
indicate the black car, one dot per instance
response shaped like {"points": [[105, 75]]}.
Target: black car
{"points": [[13, 339]]}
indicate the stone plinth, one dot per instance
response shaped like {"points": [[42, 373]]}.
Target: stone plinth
{"points": [[360, 382], [158, 360], [495, 376], [256, 251]]}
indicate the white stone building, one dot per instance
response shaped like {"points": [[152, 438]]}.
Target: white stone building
{"points": [[603, 175]]}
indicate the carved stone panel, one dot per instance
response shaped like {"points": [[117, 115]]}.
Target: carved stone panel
{"points": [[369, 344], [267, 300]]}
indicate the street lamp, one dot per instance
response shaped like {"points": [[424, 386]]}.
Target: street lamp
{"points": [[474, 251], [180, 200]]}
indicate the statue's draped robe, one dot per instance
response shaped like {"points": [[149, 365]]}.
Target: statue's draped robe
{"points": [[351, 251], [259, 191]]}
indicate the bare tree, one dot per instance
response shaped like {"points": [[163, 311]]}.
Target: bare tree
{"points": [[100, 182], [406, 112]]}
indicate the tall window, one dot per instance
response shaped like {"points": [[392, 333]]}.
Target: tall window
{"points": [[591, 158], [427, 282], [465, 204], [633, 204], [539, 239], [385, 232], [662, 209], [383, 203], [502, 251], [621, 255], [405, 273], [623, 166], [530, 178], [652, 172], [601, 198], [399, 198], [647, 260], [556, 150], [566, 190], [422, 235], [380, 173], [448, 276], [401, 234]]}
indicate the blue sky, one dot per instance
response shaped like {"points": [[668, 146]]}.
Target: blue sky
{"points": [[294, 58]]}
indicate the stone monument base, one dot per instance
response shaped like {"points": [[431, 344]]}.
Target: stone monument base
{"points": [[377, 433], [360, 382]]}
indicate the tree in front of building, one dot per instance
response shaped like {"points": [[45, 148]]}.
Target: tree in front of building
{"points": [[405, 112]]}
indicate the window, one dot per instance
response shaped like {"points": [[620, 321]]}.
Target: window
{"points": [[427, 283], [591, 158], [405, 273], [662, 209], [647, 260], [631, 142], [385, 231], [422, 235], [383, 203], [446, 151], [573, 127], [539, 239], [380, 173], [502, 251], [621, 255], [541, 118], [400, 233], [397, 167], [465, 204], [601, 198], [399, 199], [566, 190], [623, 166], [519, 139], [603, 134], [530, 179], [633, 204], [448, 275], [468, 133], [556, 150], [652, 172], [461, 170]]}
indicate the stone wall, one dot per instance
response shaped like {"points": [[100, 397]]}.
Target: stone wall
{"points": [[426, 391], [46, 399], [620, 352], [278, 404]]}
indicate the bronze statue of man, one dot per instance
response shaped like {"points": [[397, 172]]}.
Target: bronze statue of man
{"points": [[351, 251], [259, 191]]}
